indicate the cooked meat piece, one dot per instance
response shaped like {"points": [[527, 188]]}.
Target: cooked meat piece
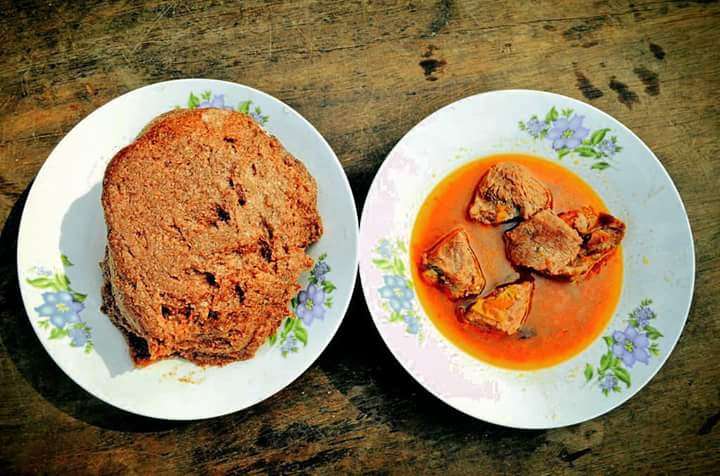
{"points": [[583, 220], [505, 308], [544, 243], [508, 191], [601, 231], [452, 265], [601, 234]]}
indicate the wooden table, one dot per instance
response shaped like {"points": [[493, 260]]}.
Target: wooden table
{"points": [[364, 73]]}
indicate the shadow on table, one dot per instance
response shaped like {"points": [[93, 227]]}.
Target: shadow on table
{"points": [[357, 356], [33, 362]]}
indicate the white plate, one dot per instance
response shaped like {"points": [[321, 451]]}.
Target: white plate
{"points": [[658, 257], [63, 218]]}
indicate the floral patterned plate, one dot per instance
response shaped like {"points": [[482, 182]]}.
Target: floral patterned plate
{"points": [[658, 257], [62, 240]]}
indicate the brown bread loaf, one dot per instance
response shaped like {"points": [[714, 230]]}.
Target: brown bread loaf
{"points": [[208, 219]]}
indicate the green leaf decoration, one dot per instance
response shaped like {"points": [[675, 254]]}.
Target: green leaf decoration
{"points": [[193, 101], [287, 328], [272, 339], [244, 107], [588, 372], [395, 316], [608, 340], [328, 287], [43, 283], [586, 151], [65, 260], [206, 95], [329, 302], [88, 347], [78, 297], [623, 375], [654, 350], [606, 361], [566, 112], [57, 333], [401, 246], [521, 126], [551, 116], [563, 152], [398, 266], [322, 257], [301, 334], [383, 264], [44, 324], [62, 282], [598, 136], [605, 391], [600, 165], [652, 333], [646, 302]]}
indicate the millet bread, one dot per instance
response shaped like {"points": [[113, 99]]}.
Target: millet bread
{"points": [[208, 219]]}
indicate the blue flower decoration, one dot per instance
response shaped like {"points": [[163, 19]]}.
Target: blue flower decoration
{"points": [[60, 308], [320, 270], [43, 271], [607, 147], [608, 383], [259, 118], [385, 249], [79, 336], [568, 134], [311, 304], [218, 101], [631, 346], [412, 325], [535, 126], [290, 345], [397, 292], [643, 315]]}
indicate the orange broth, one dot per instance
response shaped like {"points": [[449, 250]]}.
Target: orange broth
{"points": [[566, 317]]}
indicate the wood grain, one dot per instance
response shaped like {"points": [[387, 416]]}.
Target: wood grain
{"points": [[364, 73]]}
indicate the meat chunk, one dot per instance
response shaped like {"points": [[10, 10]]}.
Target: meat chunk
{"points": [[452, 265], [545, 243], [601, 234], [506, 192], [504, 309]]}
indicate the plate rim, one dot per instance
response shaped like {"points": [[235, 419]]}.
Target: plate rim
{"points": [[303, 368], [660, 363]]}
